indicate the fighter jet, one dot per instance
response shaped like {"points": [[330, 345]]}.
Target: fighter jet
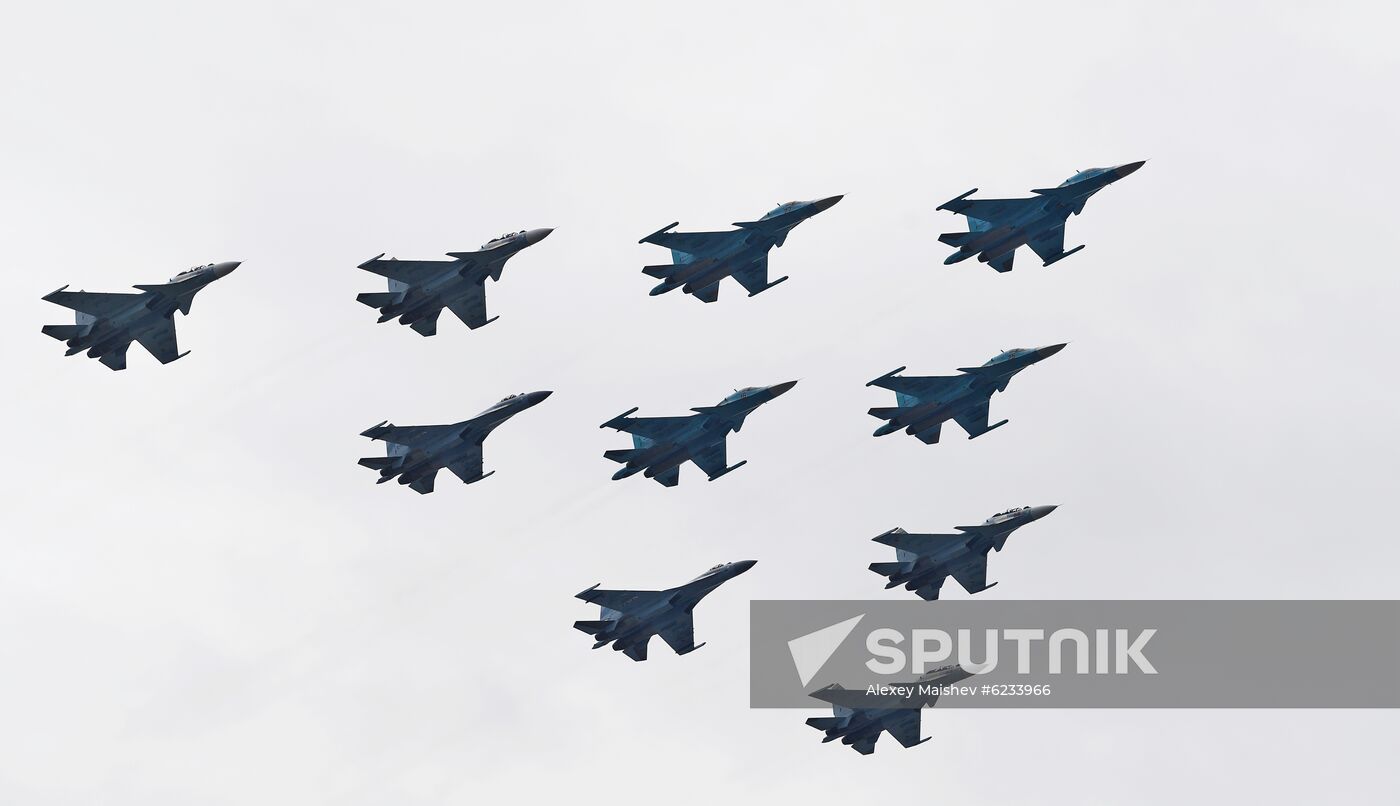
{"points": [[662, 444], [924, 561], [998, 226], [858, 717], [630, 618], [702, 259], [925, 403], [420, 289], [415, 453], [107, 323]]}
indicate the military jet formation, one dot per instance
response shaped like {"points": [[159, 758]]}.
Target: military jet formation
{"points": [[107, 323], [858, 717], [923, 562], [418, 291], [630, 618]]}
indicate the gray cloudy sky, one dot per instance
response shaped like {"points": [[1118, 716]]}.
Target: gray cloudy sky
{"points": [[203, 600]]}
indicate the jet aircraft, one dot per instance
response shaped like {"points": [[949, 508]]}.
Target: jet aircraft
{"points": [[662, 444], [859, 717], [923, 404], [996, 227], [924, 561], [630, 618], [420, 289], [415, 453], [107, 323], [702, 259]]}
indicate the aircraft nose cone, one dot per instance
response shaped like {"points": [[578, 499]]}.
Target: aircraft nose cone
{"points": [[539, 397], [827, 203], [534, 236], [224, 269], [744, 565], [778, 389], [1124, 170], [1046, 352], [1040, 512]]}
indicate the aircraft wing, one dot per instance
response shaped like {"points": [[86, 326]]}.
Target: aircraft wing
{"points": [[928, 386], [412, 435], [161, 342], [904, 727], [471, 307], [95, 303], [920, 544], [694, 243], [115, 359], [413, 272], [622, 601], [468, 468], [681, 635], [992, 211], [973, 574], [1049, 244], [708, 293], [656, 429], [974, 420], [754, 276], [712, 460]]}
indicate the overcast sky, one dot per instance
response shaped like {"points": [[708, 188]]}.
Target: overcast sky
{"points": [[203, 600]]}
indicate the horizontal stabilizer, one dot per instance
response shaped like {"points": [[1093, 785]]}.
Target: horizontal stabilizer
{"points": [[979, 370], [886, 413], [381, 299], [1056, 192], [371, 260], [622, 455], [890, 569], [381, 462], [661, 231], [594, 627], [66, 332], [661, 272], [463, 255], [958, 238], [828, 722]]}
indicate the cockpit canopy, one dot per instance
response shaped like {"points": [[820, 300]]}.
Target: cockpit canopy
{"points": [[192, 270], [782, 208], [508, 398], [494, 242], [1007, 355], [1087, 173], [739, 394]]}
